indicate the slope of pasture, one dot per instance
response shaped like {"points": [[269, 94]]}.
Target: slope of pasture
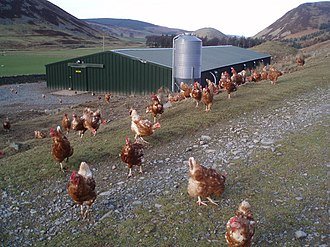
{"points": [[33, 61], [163, 214]]}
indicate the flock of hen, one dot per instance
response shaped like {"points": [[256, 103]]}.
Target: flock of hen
{"points": [[203, 182], [226, 83]]}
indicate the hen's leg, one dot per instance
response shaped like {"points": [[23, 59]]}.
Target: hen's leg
{"points": [[209, 198], [129, 173], [143, 140], [199, 202], [229, 96], [62, 167], [141, 170], [86, 212], [82, 210]]}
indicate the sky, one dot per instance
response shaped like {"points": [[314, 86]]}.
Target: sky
{"points": [[234, 17]]}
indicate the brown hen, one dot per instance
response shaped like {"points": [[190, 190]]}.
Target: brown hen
{"points": [[81, 188], [66, 123], [230, 87], [142, 127], [236, 77], [240, 228], [185, 89], [107, 97], [77, 124], [204, 182], [61, 148], [207, 98], [132, 155], [196, 93], [39, 134], [273, 75], [155, 108], [92, 120]]}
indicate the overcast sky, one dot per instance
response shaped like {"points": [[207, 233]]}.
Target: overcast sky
{"points": [[236, 17]]}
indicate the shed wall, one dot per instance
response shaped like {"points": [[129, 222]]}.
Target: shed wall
{"points": [[120, 74], [210, 74]]}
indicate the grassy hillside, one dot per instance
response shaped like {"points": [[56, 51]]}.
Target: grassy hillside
{"points": [[276, 49], [25, 24], [272, 181], [179, 121], [304, 20], [130, 29], [126, 23], [180, 223]]}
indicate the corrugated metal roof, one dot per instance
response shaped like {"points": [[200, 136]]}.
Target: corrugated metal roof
{"points": [[212, 56], [161, 56]]}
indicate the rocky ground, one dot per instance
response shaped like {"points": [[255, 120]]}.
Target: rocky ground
{"points": [[31, 218]]}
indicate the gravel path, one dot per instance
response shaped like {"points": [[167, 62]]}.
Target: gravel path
{"points": [[218, 146], [25, 97]]}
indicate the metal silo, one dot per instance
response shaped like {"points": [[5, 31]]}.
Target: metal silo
{"points": [[187, 59]]}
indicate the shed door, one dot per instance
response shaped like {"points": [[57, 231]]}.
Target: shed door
{"points": [[79, 79]]}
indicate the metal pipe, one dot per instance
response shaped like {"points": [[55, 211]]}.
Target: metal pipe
{"points": [[215, 78]]}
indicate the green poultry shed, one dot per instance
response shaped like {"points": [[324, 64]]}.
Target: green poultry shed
{"points": [[143, 70]]}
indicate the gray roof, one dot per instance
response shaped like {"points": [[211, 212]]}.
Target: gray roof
{"points": [[213, 57]]}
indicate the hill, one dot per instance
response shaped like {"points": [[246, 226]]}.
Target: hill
{"points": [[32, 23], [127, 28], [276, 49], [307, 23], [210, 33]]}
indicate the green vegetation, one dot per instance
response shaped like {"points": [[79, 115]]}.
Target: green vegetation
{"points": [[278, 50], [179, 121], [34, 61], [270, 182]]}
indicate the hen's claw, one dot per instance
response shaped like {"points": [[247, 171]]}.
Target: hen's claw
{"points": [[214, 202], [200, 202]]}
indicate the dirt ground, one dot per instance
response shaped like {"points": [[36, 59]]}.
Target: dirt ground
{"points": [[221, 147], [23, 102]]}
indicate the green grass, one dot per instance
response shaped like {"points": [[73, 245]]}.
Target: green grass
{"points": [[277, 49], [178, 121], [34, 61], [270, 182]]}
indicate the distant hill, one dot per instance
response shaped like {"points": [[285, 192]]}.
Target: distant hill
{"points": [[307, 22], [33, 23], [127, 28], [276, 49], [210, 33]]}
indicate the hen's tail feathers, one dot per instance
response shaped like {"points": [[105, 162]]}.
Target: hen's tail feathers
{"points": [[84, 170]]}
